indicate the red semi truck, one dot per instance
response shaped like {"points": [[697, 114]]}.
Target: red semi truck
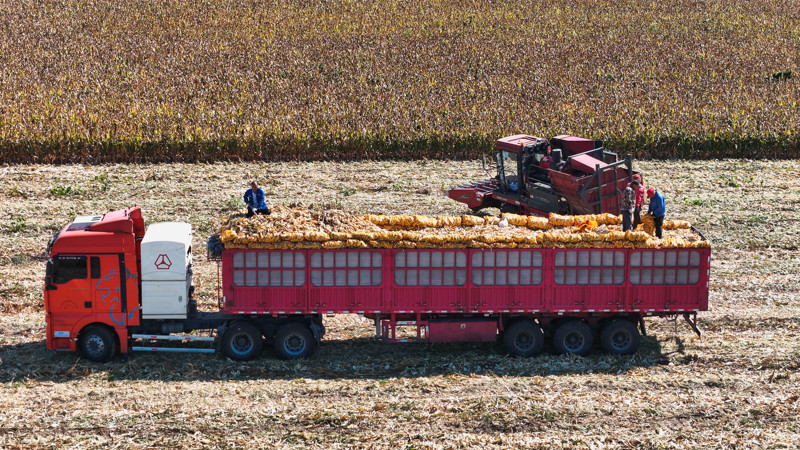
{"points": [[113, 286]]}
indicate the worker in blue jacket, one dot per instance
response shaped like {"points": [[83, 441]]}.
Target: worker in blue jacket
{"points": [[254, 199], [657, 209]]}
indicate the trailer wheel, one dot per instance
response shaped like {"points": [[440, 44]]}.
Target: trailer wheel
{"points": [[242, 342], [294, 341], [523, 338], [620, 337], [97, 343], [574, 337]]}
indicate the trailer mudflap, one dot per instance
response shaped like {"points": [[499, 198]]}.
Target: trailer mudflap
{"points": [[318, 330]]}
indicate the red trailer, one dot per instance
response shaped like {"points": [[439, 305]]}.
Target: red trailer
{"points": [[573, 297]]}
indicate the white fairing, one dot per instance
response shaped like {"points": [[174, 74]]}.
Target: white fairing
{"points": [[166, 251], [166, 270], [165, 299]]}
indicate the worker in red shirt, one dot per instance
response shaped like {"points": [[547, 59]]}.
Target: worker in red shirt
{"points": [[637, 210]]}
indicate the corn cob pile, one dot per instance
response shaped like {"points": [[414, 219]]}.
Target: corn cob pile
{"points": [[290, 228]]}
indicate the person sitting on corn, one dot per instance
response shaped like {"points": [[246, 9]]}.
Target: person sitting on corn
{"points": [[657, 209], [254, 199]]}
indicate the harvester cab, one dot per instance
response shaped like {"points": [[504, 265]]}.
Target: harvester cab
{"points": [[566, 175]]}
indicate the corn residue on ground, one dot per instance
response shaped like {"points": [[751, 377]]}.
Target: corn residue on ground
{"points": [[737, 386]]}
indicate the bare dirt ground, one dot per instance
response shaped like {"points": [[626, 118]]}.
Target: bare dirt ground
{"points": [[737, 386]]}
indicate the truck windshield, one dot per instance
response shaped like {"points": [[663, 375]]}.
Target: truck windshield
{"points": [[506, 165]]}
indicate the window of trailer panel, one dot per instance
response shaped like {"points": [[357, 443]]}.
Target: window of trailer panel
{"points": [[430, 268], [585, 267], [346, 268], [269, 269], [506, 268], [665, 267]]}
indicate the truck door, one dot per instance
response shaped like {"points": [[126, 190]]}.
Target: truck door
{"points": [[70, 292], [108, 298]]}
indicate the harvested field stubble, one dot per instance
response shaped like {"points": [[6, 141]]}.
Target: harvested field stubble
{"points": [[177, 80], [737, 386]]}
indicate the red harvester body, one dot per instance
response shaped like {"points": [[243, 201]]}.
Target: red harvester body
{"points": [[566, 175]]}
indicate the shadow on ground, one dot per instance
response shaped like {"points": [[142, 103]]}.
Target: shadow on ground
{"points": [[360, 358]]}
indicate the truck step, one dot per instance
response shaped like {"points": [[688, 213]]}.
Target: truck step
{"points": [[167, 337], [172, 349]]}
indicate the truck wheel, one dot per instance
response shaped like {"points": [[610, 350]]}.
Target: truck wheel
{"points": [[620, 337], [97, 343], [523, 338], [242, 342], [294, 341], [575, 337]]}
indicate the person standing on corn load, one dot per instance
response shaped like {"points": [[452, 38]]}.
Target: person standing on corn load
{"points": [[628, 204], [657, 209], [637, 210], [254, 199]]}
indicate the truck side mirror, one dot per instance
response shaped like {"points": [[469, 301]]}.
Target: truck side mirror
{"points": [[48, 277]]}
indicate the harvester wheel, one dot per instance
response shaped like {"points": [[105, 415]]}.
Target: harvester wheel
{"points": [[524, 338], [294, 341], [573, 336], [509, 208], [620, 337], [97, 343], [565, 207], [242, 342]]}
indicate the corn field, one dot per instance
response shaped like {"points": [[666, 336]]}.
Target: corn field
{"points": [[111, 81]]}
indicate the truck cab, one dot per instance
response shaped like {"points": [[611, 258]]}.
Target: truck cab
{"points": [[105, 274], [110, 282]]}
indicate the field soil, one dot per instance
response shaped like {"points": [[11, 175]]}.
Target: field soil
{"points": [[737, 386]]}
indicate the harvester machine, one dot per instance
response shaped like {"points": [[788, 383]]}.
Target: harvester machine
{"points": [[565, 175]]}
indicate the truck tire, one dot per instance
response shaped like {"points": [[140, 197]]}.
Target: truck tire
{"points": [[574, 337], [620, 337], [523, 338], [294, 341], [97, 343], [242, 342]]}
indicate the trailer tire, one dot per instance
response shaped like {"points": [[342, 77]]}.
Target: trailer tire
{"points": [[97, 343], [524, 338], [242, 342], [574, 337], [620, 337], [294, 341]]}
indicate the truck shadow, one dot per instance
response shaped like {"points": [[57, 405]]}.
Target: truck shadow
{"points": [[357, 358]]}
